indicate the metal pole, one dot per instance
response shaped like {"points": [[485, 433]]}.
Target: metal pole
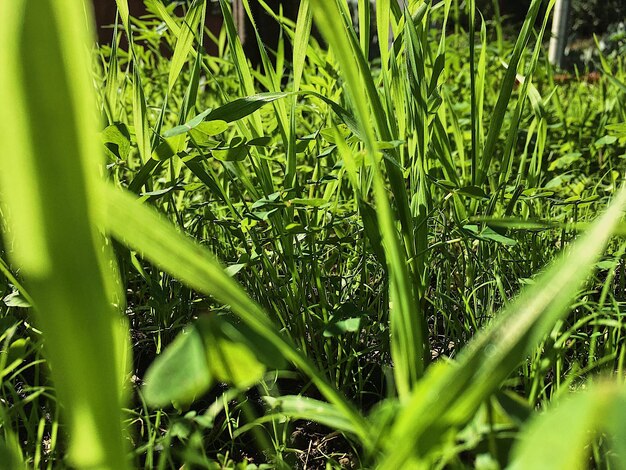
{"points": [[558, 41]]}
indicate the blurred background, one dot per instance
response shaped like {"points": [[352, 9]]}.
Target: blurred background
{"points": [[604, 18]]}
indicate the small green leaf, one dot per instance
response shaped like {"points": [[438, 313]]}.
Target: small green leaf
{"points": [[235, 153], [565, 161], [473, 191], [617, 130], [490, 234], [14, 355], [164, 151], [235, 150], [338, 328], [230, 356], [116, 139], [233, 269], [169, 147], [15, 299], [210, 128], [392, 144], [180, 374], [311, 202], [606, 140], [329, 132], [260, 141], [295, 228]]}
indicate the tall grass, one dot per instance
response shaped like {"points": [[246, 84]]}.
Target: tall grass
{"points": [[307, 250]]}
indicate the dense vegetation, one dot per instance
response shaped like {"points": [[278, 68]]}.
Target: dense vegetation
{"points": [[355, 264]]}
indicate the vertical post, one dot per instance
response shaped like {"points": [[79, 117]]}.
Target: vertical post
{"points": [[239, 17], [558, 40]]}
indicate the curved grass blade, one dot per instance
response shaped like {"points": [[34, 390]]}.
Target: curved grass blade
{"points": [[450, 393], [559, 438], [299, 407], [243, 107]]}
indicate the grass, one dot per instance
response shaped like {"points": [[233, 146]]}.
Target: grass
{"points": [[329, 261]]}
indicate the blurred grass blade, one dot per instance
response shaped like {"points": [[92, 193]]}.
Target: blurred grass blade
{"points": [[559, 438], [51, 194], [298, 407], [450, 393]]}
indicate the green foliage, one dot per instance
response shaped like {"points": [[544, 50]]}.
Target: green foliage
{"points": [[328, 261]]}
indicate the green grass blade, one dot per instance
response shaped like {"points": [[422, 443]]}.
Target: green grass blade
{"points": [[516, 119], [159, 8], [111, 97], [365, 13], [50, 192], [450, 393], [382, 30], [497, 117], [301, 41], [300, 45], [140, 118], [184, 43], [559, 438], [471, 10], [122, 8], [299, 407], [408, 338]]}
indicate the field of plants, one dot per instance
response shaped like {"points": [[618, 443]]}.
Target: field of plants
{"points": [[405, 253]]}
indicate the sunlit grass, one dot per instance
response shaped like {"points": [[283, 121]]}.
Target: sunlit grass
{"points": [[404, 249]]}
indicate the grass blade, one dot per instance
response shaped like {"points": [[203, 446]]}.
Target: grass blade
{"points": [[559, 438], [184, 43], [409, 340], [450, 393], [497, 118], [51, 195]]}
